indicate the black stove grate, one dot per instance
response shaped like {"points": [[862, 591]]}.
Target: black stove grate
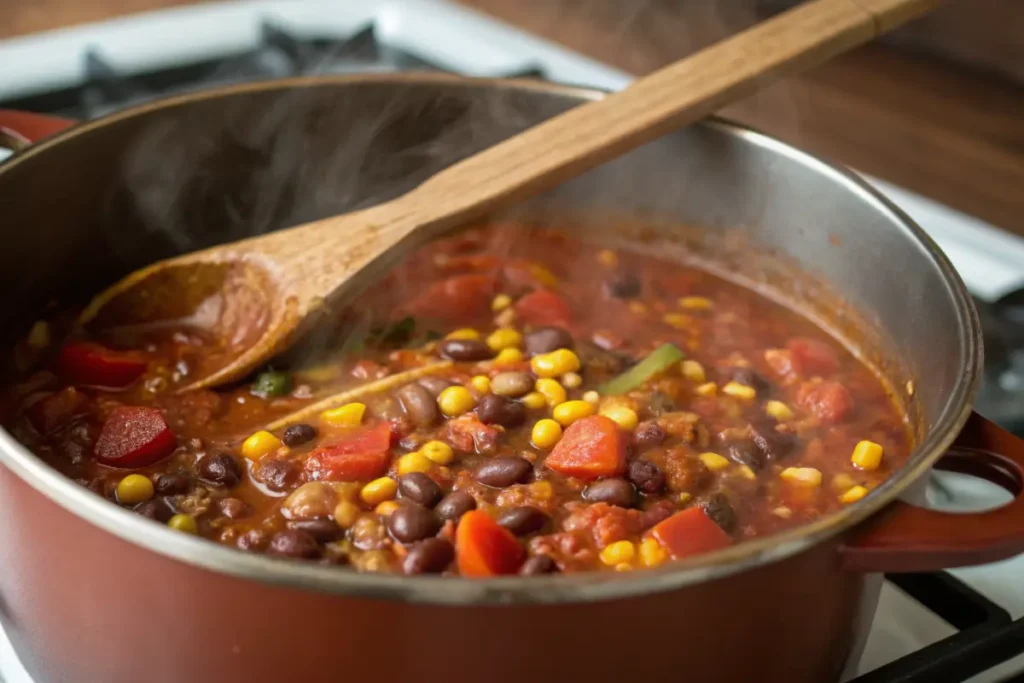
{"points": [[986, 637]]}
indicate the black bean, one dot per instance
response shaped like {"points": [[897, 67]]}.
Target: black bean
{"points": [[221, 469], [503, 472], [538, 564], [430, 556], [514, 384], [434, 385], [156, 508], [746, 453], [418, 404], [720, 511], [546, 339], [622, 286], [465, 350], [412, 522], [772, 443], [294, 543], [323, 530], [296, 435], [499, 410], [277, 475], [646, 476], [232, 508], [523, 520], [617, 492], [419, 488], [648, 435], [750, 378], [173, 484], [454, 505]]}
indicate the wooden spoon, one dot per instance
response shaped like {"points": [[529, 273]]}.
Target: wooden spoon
{"points": [[258, 295]]}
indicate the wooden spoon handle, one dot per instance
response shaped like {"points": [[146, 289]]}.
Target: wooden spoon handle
{"points": [[683, 92]]}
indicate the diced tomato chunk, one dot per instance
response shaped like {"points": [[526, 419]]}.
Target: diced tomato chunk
{"points": [[485, 548], [360, 455], [542, 308], [468, 434], [590, 448], [690, 532], [781, 362], [830, 401], [456, 298], [812, 357], [134, 436], [90, 364], [52, 412]]}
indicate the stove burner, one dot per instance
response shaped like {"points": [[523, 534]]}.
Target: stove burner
{"points": [[279, 54]]}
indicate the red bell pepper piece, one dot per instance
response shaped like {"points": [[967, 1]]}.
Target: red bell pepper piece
{"points": [[134, 436], [542, 307], [690, 532], [89, 364], [812, 357], [830, 401], [358, 456], [591, 448], [485, 548]]}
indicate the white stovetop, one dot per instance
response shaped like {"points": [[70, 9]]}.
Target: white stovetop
{"points": [[990, 261]]}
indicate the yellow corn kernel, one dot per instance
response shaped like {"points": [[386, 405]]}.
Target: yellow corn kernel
{"points": [[783, 512], [259, 444], [504, 338], [455, 400], [853, 495], [693, 371], [651, 553], [348, 415], [413, 462], [684, 498], [696, 303], [570, 411], [346, 513], [779, 410], [39, 335], [481, 384], [534, 400], [591, 397], [134, 489], [623, 567], [867, 455], [623, 416], [542, 490], [463, 333], [546, 434], [555, 364], [607, 257], [571, 380], [802, 476], [501, 302], [543, 275], [843, 482], [618, 553], [386, 508], [737, 390], [552, 391], [714, 461], [508, 356], [676, 320], [707, 389], [438, 451], [379, 490], [747, 473], [637, 307], [506, 317], [182, 522]]}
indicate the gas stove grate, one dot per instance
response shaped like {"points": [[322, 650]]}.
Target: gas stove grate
{"points": [[986, 635], [279, 54]]}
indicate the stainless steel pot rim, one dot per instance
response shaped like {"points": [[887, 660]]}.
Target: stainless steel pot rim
{"points": [[209, 555]]}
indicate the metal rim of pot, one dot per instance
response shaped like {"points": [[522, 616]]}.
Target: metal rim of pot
{"points": [[587, 586]]}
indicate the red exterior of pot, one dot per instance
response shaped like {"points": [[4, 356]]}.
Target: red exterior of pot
{"points": [[83, 606]]}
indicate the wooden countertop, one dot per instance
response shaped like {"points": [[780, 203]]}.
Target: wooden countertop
{"points": [[935, 128]]}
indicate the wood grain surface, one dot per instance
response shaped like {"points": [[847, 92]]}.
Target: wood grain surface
{"points": [[930, 125]]}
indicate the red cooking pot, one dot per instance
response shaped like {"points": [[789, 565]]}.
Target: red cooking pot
{"points": [[91, 593]]}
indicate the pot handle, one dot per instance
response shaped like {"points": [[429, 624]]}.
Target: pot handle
{"points": [[906, 538], [19, 129]]}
